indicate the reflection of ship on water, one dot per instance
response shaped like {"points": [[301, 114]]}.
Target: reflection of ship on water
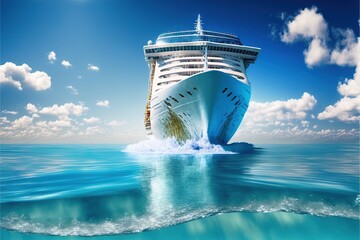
{"points": [[183, 185], [198, 86]]}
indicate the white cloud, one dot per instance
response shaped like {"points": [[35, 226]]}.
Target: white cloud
{"points": [[305, 123], [115, 123], [94, 68], [94, 130], [66, 63], [22, 122], [64, 110], [296, 134], [317, 53], [14, 75], [9, 112], [346, 109], [351, 87], [264, 120], [31, 108], [60, 123], [62, 129], [91, 120], [277, 111], [4, 120], [311, 26], [73, 90], [347, 51], [307, 24], [104, 103], [38, 80], [52, 56]]}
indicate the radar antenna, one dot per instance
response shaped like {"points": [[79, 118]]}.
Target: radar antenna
{"points": [[198, 25]]}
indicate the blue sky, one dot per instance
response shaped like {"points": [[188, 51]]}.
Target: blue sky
{"points": [[93, 87]]}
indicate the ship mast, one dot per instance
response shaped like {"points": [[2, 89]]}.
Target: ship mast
{"points": [[198, 25], [198, 28]]}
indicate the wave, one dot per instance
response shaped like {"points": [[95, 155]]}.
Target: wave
{"points": [[170, 217], [192, 146]]}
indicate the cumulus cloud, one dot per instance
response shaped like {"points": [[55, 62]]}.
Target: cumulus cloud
{"points": [[264, 121], [277, 111], [70, 125], [351, 87], [307, 24], [346, 109], [311, 26], [73, 90], [347, 50], [94, 130], [31, 108], [296, 134], [22, 122], [9, 112], [91, 120], [104, 103], [38, 80], [52, 56], [66, 63], [317, 52], [94, 68], [64, 110], [4, 120], [305, 123], [59, 123], [12, 74], [115, 123]]}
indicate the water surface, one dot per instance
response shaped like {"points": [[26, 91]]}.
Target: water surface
{"points": [[73, 191]]}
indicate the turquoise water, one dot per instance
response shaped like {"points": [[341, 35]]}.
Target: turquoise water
{"points": [[193, 192]]}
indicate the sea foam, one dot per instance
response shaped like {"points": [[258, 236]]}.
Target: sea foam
{"points": [[192, 146]]}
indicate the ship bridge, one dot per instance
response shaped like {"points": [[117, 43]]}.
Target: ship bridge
{"points": [[194, 36]]}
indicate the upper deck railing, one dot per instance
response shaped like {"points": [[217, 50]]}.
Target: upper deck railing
{"points": [[193, 36]]}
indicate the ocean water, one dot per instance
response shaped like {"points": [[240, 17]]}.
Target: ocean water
{"points": [[160, 190]]}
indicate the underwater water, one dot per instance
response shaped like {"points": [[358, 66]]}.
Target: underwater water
{"points": [[160, 190]]}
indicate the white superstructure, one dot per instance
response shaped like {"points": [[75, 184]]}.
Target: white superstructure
{"points": [[198, 85]]}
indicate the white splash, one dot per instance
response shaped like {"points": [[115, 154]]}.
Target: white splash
{"points": [[171, 146]]}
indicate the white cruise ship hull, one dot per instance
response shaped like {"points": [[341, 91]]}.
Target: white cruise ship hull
{"points": [[209, 105]]}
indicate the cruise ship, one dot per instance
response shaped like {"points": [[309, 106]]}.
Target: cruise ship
{"points": [[198, 86]]}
